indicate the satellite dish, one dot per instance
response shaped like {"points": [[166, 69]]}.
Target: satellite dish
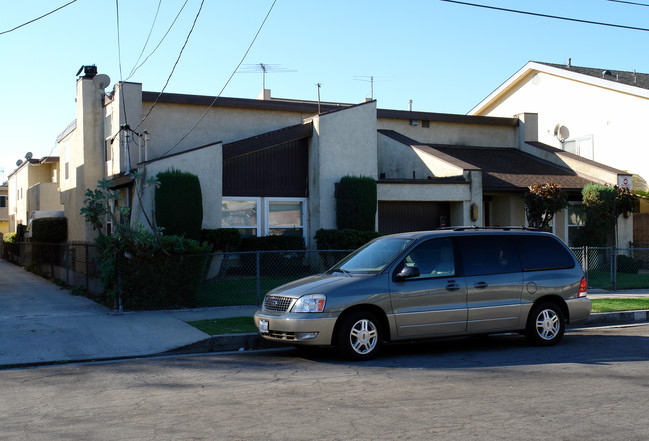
{"points": [[19, 162], [101, 81], [561, 132], [28, 155]]}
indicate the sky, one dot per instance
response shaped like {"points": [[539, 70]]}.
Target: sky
{"points": [[445, 57]]}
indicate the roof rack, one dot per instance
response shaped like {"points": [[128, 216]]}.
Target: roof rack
{"points": [[501, 228]]}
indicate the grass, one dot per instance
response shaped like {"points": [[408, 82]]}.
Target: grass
{"points": [[612, 305], [231, 325], [602, 279]]}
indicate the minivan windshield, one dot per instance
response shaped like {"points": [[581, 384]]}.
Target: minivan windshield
{"points": [[374, 256]]}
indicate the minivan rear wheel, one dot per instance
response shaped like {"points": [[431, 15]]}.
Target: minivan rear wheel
{"points": [[360, 336], [545, 324]]}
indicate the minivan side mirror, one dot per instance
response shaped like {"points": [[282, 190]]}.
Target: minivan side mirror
{"points": [[408, 272]]}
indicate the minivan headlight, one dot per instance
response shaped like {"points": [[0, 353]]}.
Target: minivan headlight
{"points": [[310, 303]]}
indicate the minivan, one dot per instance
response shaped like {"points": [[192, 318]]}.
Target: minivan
{"points": [[449, 282]]}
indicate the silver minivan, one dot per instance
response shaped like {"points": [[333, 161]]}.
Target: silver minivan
{"points": [[440, 283]]}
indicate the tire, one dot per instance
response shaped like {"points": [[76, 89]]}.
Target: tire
{"points": [[360, 336], [545, 325]]}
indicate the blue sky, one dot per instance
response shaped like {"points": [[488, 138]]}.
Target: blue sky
{"points": [[445, 57]]}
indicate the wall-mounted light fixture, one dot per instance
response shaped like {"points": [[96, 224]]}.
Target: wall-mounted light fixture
{"points": [[474, 212]]}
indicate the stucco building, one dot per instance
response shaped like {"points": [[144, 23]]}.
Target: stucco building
{"points": [[4, 209], [33, 186], [270, 166]]}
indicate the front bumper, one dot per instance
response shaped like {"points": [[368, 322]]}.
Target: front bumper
{"points": [[301, 328], [579, 309]]}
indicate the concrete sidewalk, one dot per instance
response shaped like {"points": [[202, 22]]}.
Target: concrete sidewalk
{"points": [[41, 323]]}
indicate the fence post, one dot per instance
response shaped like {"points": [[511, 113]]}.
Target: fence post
{"points": [[258, 280], [586, 263], [614, 267], [87, 267], [52, 247], [67, 263]]}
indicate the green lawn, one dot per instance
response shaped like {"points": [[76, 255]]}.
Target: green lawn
{"points": [[231, 325], [602, 279], [612, 305], [236, 292]]}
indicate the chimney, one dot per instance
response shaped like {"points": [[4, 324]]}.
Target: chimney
{"points": [[409, 105], [264, 95], [569, 62]]}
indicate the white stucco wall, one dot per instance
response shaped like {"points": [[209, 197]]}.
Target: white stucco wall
{"points": [[480, 135], [616, 120], [206, 163], [343, 144]]}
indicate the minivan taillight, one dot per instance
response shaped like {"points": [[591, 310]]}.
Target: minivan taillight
{"points": [[583, 288]]}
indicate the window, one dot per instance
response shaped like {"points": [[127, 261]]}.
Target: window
{"points": [[576, 220], [242, 214], [484, 255], [285, 217], [543, 253], [66, 164], [582, 146], [433, 258], [3, 201]]}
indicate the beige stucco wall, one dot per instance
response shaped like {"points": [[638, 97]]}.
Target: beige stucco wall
{"points": [[343, 144], [615, 119], [206, 163], [453, 133], [22, 200], [43, 196]]}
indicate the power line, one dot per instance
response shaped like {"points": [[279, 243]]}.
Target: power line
{"points": [[119, 58], [175, 64], [577, 20], [628, 3], [155, 18], [159, 43], [37, 18], [226, 83]]}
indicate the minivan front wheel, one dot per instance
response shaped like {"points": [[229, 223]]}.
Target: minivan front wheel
{"points": [[545, 325], [360, 336]]}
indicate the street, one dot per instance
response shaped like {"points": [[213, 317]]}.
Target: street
{"points": [[594, 385]]}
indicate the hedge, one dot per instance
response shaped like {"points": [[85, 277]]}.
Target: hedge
{"points": [[356, 203], [179, 204], [345, 239], [50, 229]]}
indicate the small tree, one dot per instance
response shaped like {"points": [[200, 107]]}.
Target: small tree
{"points": [[179, 204], [542, 202]]}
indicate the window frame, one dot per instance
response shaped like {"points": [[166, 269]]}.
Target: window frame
{"points": [[257, 200], [268, 227]]}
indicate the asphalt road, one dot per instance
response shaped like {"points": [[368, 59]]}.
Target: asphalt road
{"points": [[593, 386]]}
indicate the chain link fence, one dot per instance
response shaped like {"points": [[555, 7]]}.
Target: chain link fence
{"points": [[615, 268]]}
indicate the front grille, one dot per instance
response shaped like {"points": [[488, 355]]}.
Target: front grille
{"points": [[277, 303], [289, 336]]}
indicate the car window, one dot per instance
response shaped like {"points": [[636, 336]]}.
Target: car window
{"points": [[433, 258], [490, 254], [543, 252], [374, 256]]}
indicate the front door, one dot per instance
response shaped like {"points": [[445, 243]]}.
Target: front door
{"points": [[494, 282], [434, 303]]}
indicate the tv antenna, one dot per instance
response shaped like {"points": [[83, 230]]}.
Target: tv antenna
{"points": [[264, 69], [371, 79]]}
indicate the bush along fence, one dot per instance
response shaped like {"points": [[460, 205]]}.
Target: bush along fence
{"points": [[243, 278]]}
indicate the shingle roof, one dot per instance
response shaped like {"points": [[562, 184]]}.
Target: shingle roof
{"points": [[619, 76]]}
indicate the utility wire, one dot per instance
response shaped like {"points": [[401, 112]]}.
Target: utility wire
{"points": [[226, 83], [37, 18], [155, 18], [628, 3], [633, 28], [119, 58], [160, 42], [174, 66]]}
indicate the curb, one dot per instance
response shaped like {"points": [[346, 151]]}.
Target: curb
{"points": [[620, 318]]}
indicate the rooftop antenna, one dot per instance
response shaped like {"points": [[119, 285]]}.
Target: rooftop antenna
{"points": [[371, 79], [264, 69]]}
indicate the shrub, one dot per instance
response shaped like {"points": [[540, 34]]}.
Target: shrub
{"points": [[179, 204], [345, 239], [272, 243], [356, 203], [600, 209], [10, 237], [542, 202], [626, 264], [222, 239], [50, 229]]}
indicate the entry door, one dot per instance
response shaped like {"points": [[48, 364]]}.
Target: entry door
{"points": [[434, 303], [494, 282]]}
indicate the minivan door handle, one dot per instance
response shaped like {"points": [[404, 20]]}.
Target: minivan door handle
{"points": [[481, 285], [452, 286]]}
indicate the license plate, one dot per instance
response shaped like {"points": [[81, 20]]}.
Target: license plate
{"points": [[263, 326]]}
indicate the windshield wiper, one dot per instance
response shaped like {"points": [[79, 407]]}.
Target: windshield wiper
{"points": [[340, 270]]}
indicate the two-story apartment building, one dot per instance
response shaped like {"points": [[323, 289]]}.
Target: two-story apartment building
{"points": [[4, 209], [34, 185], [270, 166]]}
